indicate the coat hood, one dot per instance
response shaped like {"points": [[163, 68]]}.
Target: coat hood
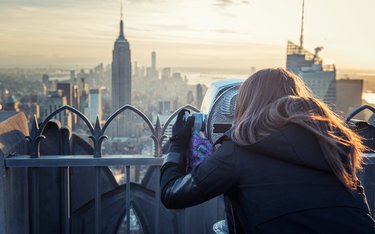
{"points": [[293, 144]]}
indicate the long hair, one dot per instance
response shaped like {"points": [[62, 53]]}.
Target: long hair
{"points": [[272, 98]]}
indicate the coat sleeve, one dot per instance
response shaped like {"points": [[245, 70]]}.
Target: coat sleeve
{"points": [[211, 178]]}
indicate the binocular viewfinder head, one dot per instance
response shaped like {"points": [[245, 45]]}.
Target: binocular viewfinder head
{"points": [[217, 110], [200, 121]]}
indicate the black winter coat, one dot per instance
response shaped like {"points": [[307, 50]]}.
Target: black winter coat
{"points": [[281, 184]]}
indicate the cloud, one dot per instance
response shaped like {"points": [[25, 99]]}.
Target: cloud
{"points": [[177, 27], [57, 4], [36, 4], [225, 31], [225, 3], [143, 1]]}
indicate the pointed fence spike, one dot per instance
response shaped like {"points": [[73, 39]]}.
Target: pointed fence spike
{"points": [[97, 123], [157, 120], [158, 136], [34, 138], [158, 127], [34, 127]]}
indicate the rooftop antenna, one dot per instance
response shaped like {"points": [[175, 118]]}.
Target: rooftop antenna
{"points": [[121, 9], [303, 15], [121, 24]]}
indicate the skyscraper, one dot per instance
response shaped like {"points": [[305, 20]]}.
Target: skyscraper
{"points": [[349, 96], [151, 72], [95, 105], [55, 100], [121, 79], [199, 93], [66, 91], [153, 60], [321, 79]]}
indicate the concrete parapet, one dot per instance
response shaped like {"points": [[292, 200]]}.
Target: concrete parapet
{"points": [[14, 215]]}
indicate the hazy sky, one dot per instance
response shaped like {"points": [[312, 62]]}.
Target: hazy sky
{"points": [[185, 33]]}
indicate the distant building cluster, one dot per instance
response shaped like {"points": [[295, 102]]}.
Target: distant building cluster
{"points": [[343, 95], [100, 91], [83, 91], [158, 92]]}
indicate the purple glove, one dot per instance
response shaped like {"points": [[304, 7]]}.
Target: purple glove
{"points": [[200, 148]]}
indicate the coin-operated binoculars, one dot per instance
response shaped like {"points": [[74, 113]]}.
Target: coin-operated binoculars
{"points": [[217, 110]]}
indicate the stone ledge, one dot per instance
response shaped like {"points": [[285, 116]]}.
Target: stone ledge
{"points": [[13, 130]]}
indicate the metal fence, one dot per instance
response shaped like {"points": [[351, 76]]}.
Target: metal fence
{"points": [[34, 162], [97, 135]]}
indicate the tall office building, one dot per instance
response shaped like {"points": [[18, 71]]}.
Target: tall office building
{"points": [[164, 107], [321, 79], [151, 72], [165, 73], [55, 100], [95, 105], [46, 84], [153, 60], [66, 89], [349, 96], [73, 78], [67, 92], [121, 81], [199, 93]]}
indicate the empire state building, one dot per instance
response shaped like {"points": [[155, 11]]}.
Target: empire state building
{"points": [[121, 81]]}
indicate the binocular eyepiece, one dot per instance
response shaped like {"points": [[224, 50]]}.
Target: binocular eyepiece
{"points": [[200, 121]]}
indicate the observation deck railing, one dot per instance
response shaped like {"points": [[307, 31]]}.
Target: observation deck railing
{"points": [[34, 162], [97, 135]]}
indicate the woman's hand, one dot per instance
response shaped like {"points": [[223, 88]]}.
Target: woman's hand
{"points": [[181, 131], [179, 142]]}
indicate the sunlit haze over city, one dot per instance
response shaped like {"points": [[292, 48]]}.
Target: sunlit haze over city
{"points": [[112, 111], [212, 34]]}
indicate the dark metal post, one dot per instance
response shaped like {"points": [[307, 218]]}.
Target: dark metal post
{"points": [[97, 139], [186, 220], [127, 202], [97, 201], [35, 200], [157, 201], [66, 198], [34, 138]]}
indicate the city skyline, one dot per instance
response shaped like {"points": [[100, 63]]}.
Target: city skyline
{"points": [[203, 34]]}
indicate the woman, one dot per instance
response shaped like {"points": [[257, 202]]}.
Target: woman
{"points": [[288, 165]]}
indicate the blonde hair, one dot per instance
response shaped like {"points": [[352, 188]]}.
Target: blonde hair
{"points": [[272, 98]]}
